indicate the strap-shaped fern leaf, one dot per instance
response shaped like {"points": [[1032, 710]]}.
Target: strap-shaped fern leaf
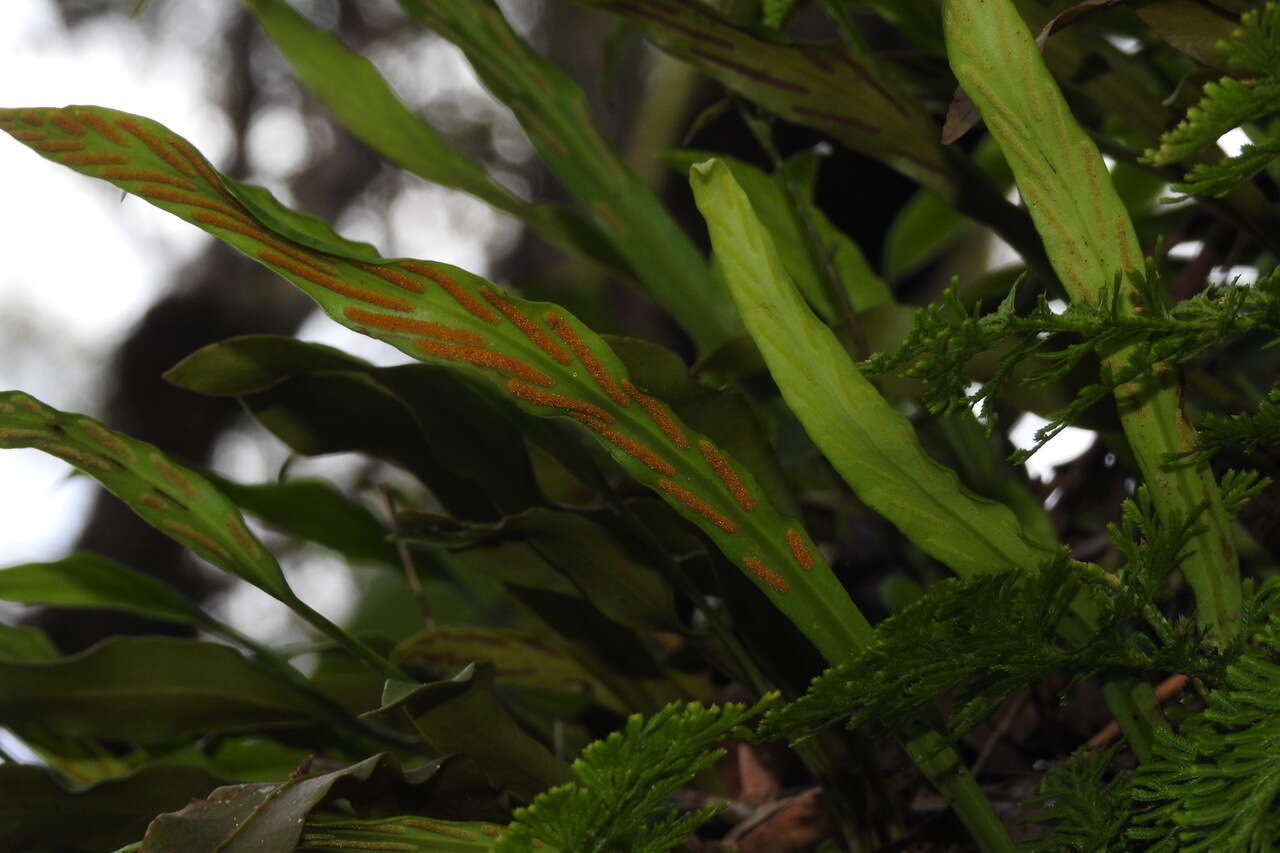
{"points": [[545, 360], [175, 500]]}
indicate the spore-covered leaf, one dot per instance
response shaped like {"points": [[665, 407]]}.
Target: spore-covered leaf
{"points": [[324, 833]]}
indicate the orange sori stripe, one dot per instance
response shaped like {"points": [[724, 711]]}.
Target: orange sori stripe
{"points": [[92, 158], [451, 287], [27, 135], [481, 357], [244, 226], [627, 445], [192, 156], [104, 127], [658, 412], [328, 282], [768, 575], [521, 321], [53, 145], [67, 123], [75, 454], [391, 275], [557, 401], [32, 117], [122, 173], [175, 477], [105, 438], [695, 504], [242, 536], [727, 475], [193, 535], [166, 193], [566, 333], [154, 501], [158, 146], [799, 549], [410, 326]]}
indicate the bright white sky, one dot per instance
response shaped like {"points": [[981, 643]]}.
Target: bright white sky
{"points": [[81, 265]]}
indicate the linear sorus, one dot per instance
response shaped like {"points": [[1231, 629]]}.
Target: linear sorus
{"points": [[410, 326], [67, 123], [727, 475], [177, 196], [104, 437], [391, 275], [175, 477], [556, 401], [521, 321], [195, 536], [26, 134], [243, 225], [158, 146], [32, 117], [697, 505], [768, 575], [104, 127], [799, 549], [53, 145], [92, 158], [75, 455], [122, 173], [457, 291], [482, 357], [328, 282], [193, 157], [451, 831], [566, 333], [242, 535], [627, 445], [19, 434], [31, 404], [657, 411], [154, 501]]}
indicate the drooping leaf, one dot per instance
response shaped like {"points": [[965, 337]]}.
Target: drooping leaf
{"points": [[366, 105], [553, 111], [463, 715], [84, 579], [832, 87], [268, 817], [409, 834], [249, 364], [25, 642], [533, 354], [150, 689], [869, 442], [39, 812]]}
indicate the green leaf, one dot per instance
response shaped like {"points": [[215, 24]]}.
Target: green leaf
{"points": [[553, 111], [301, 228], [366, 105], [249, 364], [315, 511], [89, 580], [831, 88], [532, 354], [151, 689], [38, 812], [519, 658], [869, 442], [408, 834], [464, 715], [268, 817], [25, 643], [1093, 248]]}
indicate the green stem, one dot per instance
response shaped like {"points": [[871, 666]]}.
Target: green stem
{"points": [[944, 769]]}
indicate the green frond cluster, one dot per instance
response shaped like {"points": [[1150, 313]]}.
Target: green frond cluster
{"points": [[1080, 811], [1245, 432], [1214, 783], [1240, 487], [1227, 104], [620, 799], [1043, 347]]}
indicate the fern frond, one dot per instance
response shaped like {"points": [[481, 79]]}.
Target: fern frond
{"points": [[624, 781], [1215, 784], [1243, 432], [1082, 813], [1227, 104]]}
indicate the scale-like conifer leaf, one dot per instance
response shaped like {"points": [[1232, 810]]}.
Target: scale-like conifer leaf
{"points": [[537, 355]]}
